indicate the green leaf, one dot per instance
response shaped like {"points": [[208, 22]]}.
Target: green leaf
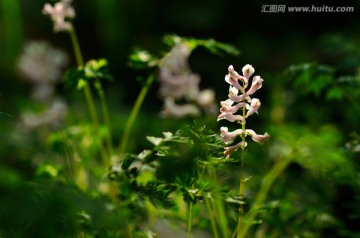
{"points": [[81, 84], [154, 140], [72, 77], [335, 93], [144, 154], [172, 40], [93, 69], [218, 48], [47, 170], [310, 78], [142, 59], [144, 177], [168, 135], [213, 46], [3, 114], [97, 69]]}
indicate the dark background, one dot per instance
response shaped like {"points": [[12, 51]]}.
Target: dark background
{"points": [[112, 28]]}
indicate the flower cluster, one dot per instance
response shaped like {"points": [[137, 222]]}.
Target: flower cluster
{"points": [[177, 82], [41, 64], [53, 116], [59, 13], [240, 99]]}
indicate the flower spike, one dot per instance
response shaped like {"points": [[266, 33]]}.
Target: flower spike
{"points": [[240, 100]]}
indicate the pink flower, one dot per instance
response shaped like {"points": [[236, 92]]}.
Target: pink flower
{"points": [[233, 95], [226, 106], [230, 117], [257, 138], [231, 149], [233, 79], [254, 106], [248, 70], [256, 84], [242, 101], [59, 13], [229, 136]]}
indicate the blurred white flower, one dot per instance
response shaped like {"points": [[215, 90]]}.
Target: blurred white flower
{"points": [[42, 92], [41, 64], [178, 86], [206, 99], [176, 79], [171, 109], [178, 82], [53, 116], [59, 13]]}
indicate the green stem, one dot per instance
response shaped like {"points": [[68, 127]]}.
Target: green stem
{"points": [[268, 181], [241, 196], [242, 182], [133, 115], [69, 160], [212, 216], [190, 219], [106, 116], [77, 50], [217, 202], [88, 95]]}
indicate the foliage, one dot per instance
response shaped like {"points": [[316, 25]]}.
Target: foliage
{"points": [[112, 167]]}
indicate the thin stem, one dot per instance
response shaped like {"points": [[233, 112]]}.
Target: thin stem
{"points": [[69, 160], [218, 204], [191, 203], [88, 95], [77, 50], [212, 216], [190, 219], [268, 181], [133, 115], [241, 196], [106, 116], [242, 181]]}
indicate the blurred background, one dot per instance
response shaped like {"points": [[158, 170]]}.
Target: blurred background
{"points": [[320, 89], [112, 29]]}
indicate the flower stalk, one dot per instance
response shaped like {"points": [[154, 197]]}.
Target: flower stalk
{"points": [[134, 112], [62, 14], [240, 99]]}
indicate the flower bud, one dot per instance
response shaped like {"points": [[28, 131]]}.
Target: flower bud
{"points": [[254, 106], [248, 70]]}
